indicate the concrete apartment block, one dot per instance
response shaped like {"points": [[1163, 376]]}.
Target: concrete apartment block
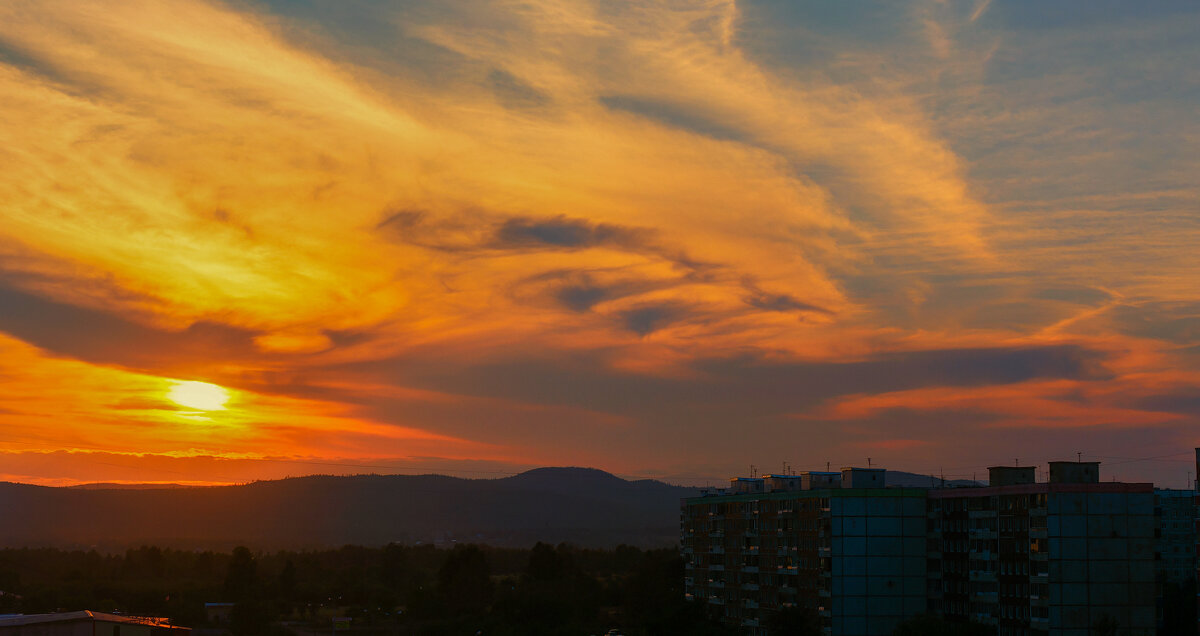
{"points": [[1051, 558], [855, 556], [1031, 559]]}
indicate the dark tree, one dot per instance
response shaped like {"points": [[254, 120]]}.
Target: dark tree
{"points": [[1179, 608], [464, 581], [794, 621], [937, 626], [545, 563], [241, 577], [1106, 625]]}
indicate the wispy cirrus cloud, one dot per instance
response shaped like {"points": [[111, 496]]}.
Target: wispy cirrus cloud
{"points": [[561, 231]]}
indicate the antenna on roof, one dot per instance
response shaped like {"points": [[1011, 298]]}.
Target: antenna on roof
{"points": [[826, 466], [752, 475], [1079, 457], [1016, 461], [868, 462]]}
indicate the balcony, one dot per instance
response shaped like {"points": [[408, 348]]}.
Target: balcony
{"points": [[717, 585], [749, 622], [750, 587], [750, 569], [716, 600]]}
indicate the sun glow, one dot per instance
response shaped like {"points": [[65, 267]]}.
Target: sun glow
{"points": [[201, 396]]}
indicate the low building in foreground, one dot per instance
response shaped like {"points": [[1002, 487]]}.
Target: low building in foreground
{"points": [[86, 623], [1055, 558]]}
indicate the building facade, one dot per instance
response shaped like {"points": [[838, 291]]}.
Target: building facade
{"points": [[1055, 558], [839, 544], [1175, 553]]}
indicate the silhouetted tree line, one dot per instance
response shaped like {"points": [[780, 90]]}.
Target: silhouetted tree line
{"points": [[396, 589], [418, 590]]}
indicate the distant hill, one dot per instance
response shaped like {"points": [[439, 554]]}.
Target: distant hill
{"points": [[116, 486], [584, 506], [900, 479]]}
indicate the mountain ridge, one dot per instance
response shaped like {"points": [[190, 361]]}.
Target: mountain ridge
{"points": [[585, 506]]}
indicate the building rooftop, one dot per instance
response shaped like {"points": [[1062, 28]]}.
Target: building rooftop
{"points": [[16, 620]]}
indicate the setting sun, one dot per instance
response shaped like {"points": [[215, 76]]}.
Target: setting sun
{"points": [[199, 395]]}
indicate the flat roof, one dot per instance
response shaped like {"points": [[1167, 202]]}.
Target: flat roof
{"points": [[831, 493], [1042, 488], [16, 620]]}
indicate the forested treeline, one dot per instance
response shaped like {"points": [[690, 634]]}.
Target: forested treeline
{"points": [[396, 589]]}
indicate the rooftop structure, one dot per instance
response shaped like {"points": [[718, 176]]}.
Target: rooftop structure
{"points": [[87, 623]]}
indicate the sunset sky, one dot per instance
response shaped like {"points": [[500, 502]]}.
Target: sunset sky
{"points": [[663, 238]]}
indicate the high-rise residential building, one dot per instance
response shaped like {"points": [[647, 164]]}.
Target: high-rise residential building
{"points": [[1053, 558], [1175, 553], [1197, 526], [1056, 558], [839, 544], [1175, 515]]}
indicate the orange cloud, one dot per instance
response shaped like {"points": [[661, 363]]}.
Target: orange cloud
{"points": [[562, 231]]}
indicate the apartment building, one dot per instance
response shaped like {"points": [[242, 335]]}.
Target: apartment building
{"points": [[840, 544], [1175, 518], [1055, 558], [1175, 553]]}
